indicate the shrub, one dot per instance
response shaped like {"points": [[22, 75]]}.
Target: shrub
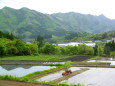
{"points": [[112, 53]]}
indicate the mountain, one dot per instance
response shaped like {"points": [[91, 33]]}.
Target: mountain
{"points": [[26, 23]]}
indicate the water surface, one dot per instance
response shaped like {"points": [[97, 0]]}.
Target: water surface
{"points": [[56, 75], [112, 63], [94, 77], [21, 70]]}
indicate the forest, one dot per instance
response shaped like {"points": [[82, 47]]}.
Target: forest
{"points": [[13, 46]]}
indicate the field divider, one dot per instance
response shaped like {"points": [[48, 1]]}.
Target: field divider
{"points": [[70, 75]]}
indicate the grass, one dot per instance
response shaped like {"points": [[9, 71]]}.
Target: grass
{"points": [[55, 83], [95, 57], [64, 84], [9, 77], [37, 58]]}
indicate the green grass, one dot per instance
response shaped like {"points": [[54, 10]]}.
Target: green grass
{"points": [[64, 84], [37, 58], [55, 83], [9, 77]]}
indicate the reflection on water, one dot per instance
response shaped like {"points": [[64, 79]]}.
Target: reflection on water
{"points": [[11, 67], [21, 70], [112, 63]]}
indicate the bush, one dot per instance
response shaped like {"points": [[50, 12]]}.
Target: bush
{"points": [[112, 53]]}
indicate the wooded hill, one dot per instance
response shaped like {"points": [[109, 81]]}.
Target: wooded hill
{"points": [[28, 24]]}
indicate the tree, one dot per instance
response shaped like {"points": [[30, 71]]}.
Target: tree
{"points": [[40, 42], [2, 51], [49, 49], [71, 50], [85, 50], [32, 49], [96, 50], [105, 35], [110, 46], [20, 45], [112, 53]]}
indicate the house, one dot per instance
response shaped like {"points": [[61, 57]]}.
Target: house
{"points": [[76, 44]]}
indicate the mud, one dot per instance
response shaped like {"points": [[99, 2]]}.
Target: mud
{"points": [[77, 58]]}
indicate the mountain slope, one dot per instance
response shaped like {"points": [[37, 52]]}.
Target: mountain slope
{"points": [[26, 23], [88, 23]]}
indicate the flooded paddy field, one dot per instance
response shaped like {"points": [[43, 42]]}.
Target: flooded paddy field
{"points": [[94, 77], [56, 75], [112, 62], [30, 62], [21, 70]]}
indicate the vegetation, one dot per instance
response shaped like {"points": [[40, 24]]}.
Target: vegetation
{"points": [[110, 48], [28, 24], [64, 84], [37, 58], [92, 37], [9, 77], [112, 54], [16, 47], [67, 64]]}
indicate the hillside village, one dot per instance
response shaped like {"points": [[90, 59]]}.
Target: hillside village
{"points": [[88, 43]]}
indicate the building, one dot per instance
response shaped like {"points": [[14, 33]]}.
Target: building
{"points": [[76, 44]]}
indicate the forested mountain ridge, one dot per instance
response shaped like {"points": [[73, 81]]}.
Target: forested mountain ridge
{"points": [[26, 23]]}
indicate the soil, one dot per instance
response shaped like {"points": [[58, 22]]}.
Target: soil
{"points": [[15, 83], [77, 58]]}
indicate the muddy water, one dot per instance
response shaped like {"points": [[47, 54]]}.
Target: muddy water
{"points": [[21, 70], [55, 75], [94, 77]]}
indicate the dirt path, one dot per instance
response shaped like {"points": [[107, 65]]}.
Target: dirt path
{"points": [[15, 83]]}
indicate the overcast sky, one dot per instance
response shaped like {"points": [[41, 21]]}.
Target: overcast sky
{"points": [[95, 7]]}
